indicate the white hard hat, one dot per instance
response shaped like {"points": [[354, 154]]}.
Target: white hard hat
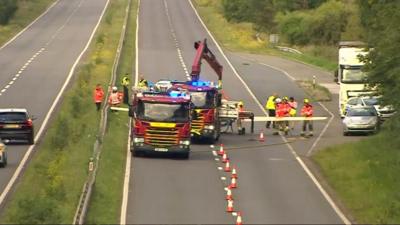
{"points": [[278, 100], [114, 88]]}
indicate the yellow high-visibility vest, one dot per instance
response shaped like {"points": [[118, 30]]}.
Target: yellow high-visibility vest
{"points": [[270, 103]]}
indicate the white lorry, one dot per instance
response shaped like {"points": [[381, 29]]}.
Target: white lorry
{"points": [[349, 76]]}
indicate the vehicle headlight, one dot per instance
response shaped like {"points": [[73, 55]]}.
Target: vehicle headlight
{"points": [[209, 127], [185, 142], [138, 140]]}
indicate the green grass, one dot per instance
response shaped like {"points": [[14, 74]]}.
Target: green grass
{"points": [[318, 93], [242, 37], [26, 13], [107, 196], [365, 176], [49, 190]]}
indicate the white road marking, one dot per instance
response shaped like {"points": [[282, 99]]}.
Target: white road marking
{"points": [[223, 178], [27, 27], [220, 168], [7, 86], [214, 153], [2, 91], [173, 34], [50, 112], [305, 168], [234, 213], [125, 193], [216, 159]]}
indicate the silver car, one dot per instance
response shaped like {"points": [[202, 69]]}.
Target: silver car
{"points": [[384, 112], [361, 120]]}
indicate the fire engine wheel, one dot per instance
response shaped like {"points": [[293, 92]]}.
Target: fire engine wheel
{"points": [[184, 155]]}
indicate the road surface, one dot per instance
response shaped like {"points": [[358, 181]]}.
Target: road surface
{"points": [[273, 187], [35, 65]]}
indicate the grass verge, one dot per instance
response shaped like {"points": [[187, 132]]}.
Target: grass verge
{"points": [[316, 93], [365, 177], [49, 190], [26, 13], [242, 37], [106, 201]]}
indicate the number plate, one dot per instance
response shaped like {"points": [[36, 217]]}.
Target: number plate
{"points": [[11, 126], [161, 149]]}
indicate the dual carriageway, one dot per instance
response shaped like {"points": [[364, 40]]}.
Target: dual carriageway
{"points": [[275, 185]]}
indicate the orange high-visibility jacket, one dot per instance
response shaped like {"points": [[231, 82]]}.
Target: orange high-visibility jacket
{"points": [[307, 110], [98, 95]]}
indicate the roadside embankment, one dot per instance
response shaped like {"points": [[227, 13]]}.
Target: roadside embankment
{"points": [[26, 12]]}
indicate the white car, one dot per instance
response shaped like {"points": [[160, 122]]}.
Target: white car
{"points": [[384, 112]]}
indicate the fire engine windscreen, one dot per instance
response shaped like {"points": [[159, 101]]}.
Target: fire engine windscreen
{"points": [[202, 99], [159, 112]]}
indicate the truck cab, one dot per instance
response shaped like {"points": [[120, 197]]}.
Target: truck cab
{"points": [[206, 101], [161, 123], [349, 76]]}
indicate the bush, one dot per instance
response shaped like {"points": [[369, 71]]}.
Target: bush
{"points": [[7, 10], [323, 25]]}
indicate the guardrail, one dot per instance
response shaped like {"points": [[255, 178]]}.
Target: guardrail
{"points": [[287, 49], [84, 200]]}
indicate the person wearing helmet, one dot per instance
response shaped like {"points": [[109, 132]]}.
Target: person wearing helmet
{"points": [[115, 97], [293, 111], [143, 82], [270, 106], [307, 111]]}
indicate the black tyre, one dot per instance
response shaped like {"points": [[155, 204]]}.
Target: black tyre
{"points": [[31, 139], [184, 155]]}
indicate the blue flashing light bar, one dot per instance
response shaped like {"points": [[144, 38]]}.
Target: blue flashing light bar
{"points": [[177, 94], [201, 83]]}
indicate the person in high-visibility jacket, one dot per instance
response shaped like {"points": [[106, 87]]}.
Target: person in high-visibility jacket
{"points": [[239, 120], [293, 111], [125, 84], [98, 96], [115, 97], [282, 110], [270, 106], [307, 111], [143, 82]]}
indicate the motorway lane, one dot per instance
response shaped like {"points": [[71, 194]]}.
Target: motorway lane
{"points": [[62, 33], [169, 191], [273, 186]]}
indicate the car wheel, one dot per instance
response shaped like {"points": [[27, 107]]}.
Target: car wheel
{"points": [[31, 139], [345, 133]]}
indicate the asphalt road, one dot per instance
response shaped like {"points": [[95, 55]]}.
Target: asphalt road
{"points": [[35, 65], [273, 187]]}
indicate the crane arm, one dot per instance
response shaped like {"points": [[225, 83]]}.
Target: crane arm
{"points": [[203, 52]]}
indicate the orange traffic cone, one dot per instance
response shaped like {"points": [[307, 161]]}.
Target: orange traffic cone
{"points": [[229, 194], [239, 219], [224, 158], [227, 166], [221, 150], [230, 206], [261, 138], [234, 174], [233, 183]]}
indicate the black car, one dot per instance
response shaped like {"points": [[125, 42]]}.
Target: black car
{"points": [[15, 124]]}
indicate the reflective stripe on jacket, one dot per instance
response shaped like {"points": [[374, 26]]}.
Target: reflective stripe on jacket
{"points": [[114, 98]]}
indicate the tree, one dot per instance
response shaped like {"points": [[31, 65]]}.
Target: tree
{"points": [[380, 19], [7, 10]]}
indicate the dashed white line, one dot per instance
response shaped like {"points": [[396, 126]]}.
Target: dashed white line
{"points": [[11, 82], [305, 168], [178, 49], [2, 91]]}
